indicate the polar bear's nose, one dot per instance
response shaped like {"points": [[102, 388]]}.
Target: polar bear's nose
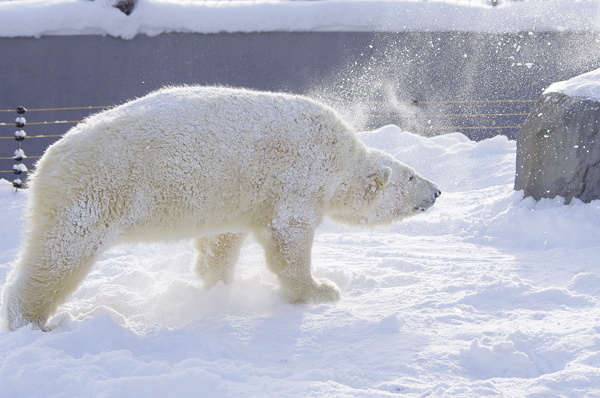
{"points": [[437, 193]]}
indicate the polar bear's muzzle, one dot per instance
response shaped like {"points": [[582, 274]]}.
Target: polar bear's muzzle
{"points": [[427, 203]]}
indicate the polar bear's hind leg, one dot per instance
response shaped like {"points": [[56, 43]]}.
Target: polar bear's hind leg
{"points": [[216, 257], [49, 271]]}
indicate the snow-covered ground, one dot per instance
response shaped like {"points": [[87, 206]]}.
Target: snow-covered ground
{"points": [[152, 17], [486, 294]]}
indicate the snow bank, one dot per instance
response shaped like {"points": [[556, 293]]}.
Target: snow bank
{"points": [[486, 294], [480, 176], [153, 17], [584, 86]]}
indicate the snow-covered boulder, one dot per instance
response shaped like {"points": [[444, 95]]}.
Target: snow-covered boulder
{"points": [[558, 147]]}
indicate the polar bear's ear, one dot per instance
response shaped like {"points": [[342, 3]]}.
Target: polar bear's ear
{"points": [[382, 177]]}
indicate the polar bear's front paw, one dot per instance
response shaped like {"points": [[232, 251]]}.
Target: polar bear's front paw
{"points": [[315, 292], [326, 291], [40, 326], [209, 281]]}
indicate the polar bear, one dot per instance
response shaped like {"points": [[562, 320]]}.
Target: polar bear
{"points": [[209, 164]]}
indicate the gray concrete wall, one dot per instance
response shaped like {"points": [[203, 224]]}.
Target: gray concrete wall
{"points": [[346, 69]]}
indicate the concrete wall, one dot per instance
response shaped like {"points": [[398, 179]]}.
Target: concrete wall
{"points": [[360, 73]]}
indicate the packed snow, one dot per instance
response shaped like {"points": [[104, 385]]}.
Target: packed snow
{"points": [[486, 294], [582, 86], [153, 17]]}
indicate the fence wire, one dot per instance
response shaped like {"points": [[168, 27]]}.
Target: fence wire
{"points": [[374, 116]]}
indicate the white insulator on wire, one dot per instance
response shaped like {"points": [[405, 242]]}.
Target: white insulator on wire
{"points": [[19, 168], [19, 155], [20, 135]]}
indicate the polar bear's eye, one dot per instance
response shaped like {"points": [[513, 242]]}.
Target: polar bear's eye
{"points": [[411, 178]]}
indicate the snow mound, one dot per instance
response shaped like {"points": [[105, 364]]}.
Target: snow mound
{"points": [[498, 360]]}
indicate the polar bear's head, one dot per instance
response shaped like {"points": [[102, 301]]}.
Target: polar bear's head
{"points": [[381, 191]]}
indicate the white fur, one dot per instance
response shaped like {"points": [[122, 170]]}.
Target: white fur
{"points": [[209, 164]]}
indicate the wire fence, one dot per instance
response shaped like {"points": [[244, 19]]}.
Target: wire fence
{"points": [[484, 117]]}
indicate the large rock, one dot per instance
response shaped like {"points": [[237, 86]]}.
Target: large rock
{"points": [[558, 147]]}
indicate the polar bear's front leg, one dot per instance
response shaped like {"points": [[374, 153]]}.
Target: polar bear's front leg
{"points": [[288, 255], [217, 256]]}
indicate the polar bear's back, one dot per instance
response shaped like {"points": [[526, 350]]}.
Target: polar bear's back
{"points": [[207, 117], [172, 114], [199, 147], [204, 127]]}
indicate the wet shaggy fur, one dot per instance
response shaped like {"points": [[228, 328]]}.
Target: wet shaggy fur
{"points": [[209, 164]]}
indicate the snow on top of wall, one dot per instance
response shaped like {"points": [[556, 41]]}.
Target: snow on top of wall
{"points": [[152, 17], [584, 86]]}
